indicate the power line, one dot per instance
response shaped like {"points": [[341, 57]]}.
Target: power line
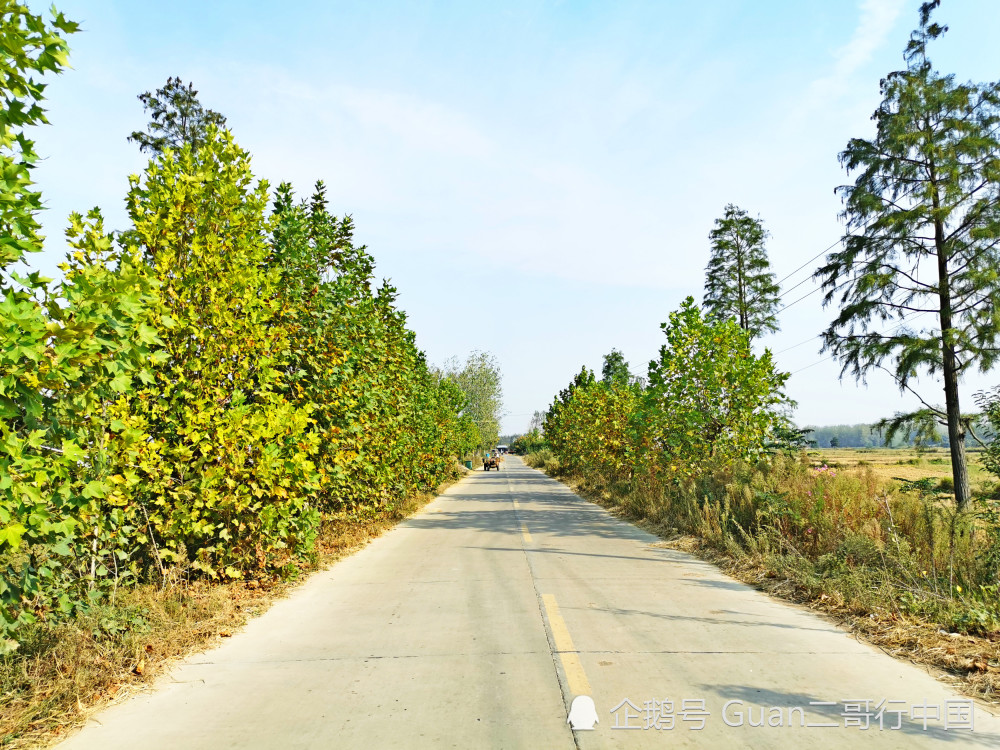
{"points": [[881, 333], [819, 335], [818, 255], [818, 362], [779, 283], [801, 343], [824, 252], [793, 288], [804, 296], [810, 294]]}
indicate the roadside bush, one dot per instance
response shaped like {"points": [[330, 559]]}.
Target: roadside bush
{"points": [[530, 443], [709, 400], [69, 353], [538, 458]]}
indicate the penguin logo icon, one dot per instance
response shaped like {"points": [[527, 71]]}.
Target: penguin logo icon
{"points": [[582, 713]]}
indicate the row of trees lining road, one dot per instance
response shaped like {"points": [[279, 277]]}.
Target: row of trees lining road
{"points": [[923, 238], [707, 399], [201, 389]]}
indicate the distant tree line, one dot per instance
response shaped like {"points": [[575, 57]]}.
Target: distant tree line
{"points": [[852, 436], [873, 436]]}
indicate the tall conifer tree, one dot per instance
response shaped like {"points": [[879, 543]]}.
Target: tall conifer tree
{"points": [[178, 118], [923, 237], [738, 280]]}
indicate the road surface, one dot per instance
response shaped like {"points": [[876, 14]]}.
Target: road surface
{"points": [[479, 622]]}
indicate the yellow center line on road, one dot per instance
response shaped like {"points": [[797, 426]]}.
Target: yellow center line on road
{"points": [[525, 534], [516, 506], [576, 678]]}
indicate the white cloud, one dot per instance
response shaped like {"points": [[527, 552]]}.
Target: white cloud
{"points": [[877, 20], [878, 17]]}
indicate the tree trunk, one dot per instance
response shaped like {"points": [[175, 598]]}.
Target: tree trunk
{"points": [[956, 435], [741, 284], [956, 430]]}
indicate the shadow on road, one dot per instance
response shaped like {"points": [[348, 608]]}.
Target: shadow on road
{"points": [[675, 617], [547, 508]]}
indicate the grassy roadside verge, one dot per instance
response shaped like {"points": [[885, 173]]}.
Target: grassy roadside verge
{"points": [[64, 674], [875, 558]]}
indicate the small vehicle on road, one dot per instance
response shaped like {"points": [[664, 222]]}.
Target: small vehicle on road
{"points": [[491, 461]]}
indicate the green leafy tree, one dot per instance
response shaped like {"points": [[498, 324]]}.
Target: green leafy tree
{"points": [[481, 381], [69, 355], [595, 426], [528, 443], [384, 424], [67, 367], [554, 427], [615, 369], [178, 118], [923, 219], [738, 280], [326, 301], [31, 47], [989, 403], [709, 401], [709, 396], [232, 489], [196, 391]]}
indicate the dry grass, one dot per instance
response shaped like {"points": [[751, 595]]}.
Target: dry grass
{"points": [[62, 675], [900, 463]]}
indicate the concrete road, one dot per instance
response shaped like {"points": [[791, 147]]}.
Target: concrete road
{"points": [[480, 621]]}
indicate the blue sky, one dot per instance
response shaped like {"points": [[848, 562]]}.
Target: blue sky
{"points": [[537, 178]]}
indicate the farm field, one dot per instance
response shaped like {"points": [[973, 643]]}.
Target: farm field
{"points": [[907, 464]]}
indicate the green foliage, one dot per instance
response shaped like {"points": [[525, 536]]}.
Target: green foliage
{"points": [[709, 397], [709, 401], [788, 438], [615, 369], [739, 283], [195, 394], [920, 427], [178, 119], [591, 430], [67, 369], [480, 380], [552, 425], [67, 355], [230, 483], [532, 442], [31, 47], [989, 403], [71, 354], [923, 218]]}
